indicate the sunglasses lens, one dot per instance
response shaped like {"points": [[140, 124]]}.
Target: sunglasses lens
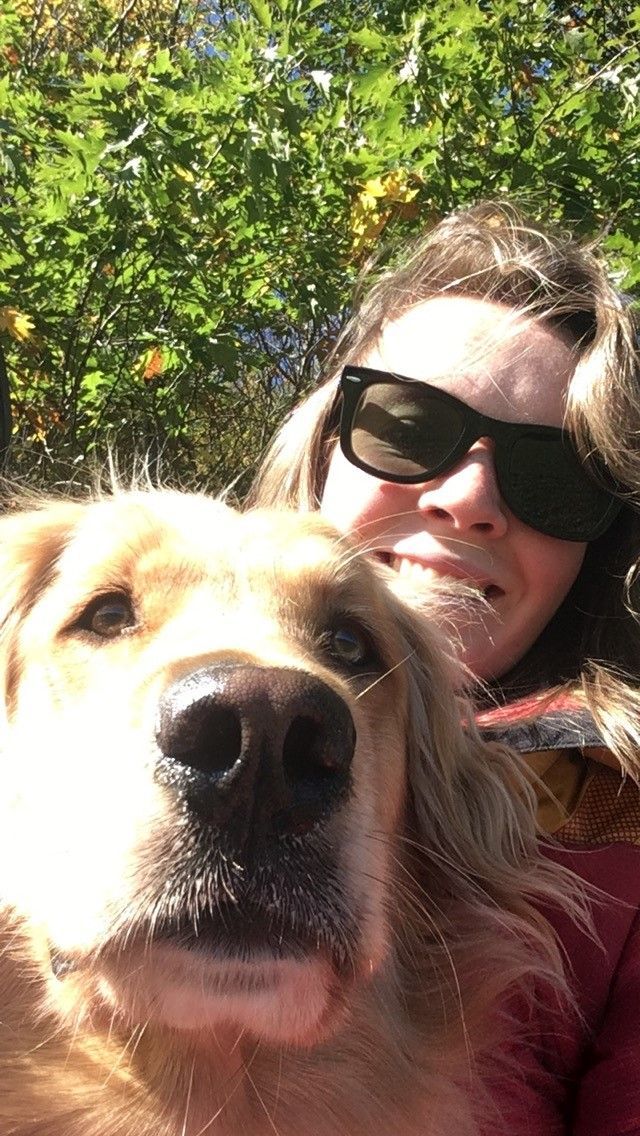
{"points": [[401, 430], [408, 431], [547, 488]]}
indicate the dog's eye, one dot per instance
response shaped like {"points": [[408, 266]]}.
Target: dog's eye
{"points": [[108, 616], [350, 644]]}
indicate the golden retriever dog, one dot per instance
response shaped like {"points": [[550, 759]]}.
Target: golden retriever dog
{"points": [[255, 877]]}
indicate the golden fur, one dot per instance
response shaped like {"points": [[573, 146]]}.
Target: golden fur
{"points": [[420, 882]]}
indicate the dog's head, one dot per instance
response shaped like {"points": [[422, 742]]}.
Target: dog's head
{"points": [[223, 738]]}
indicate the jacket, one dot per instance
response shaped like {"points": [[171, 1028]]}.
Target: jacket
{"points": [[580, 1075]]}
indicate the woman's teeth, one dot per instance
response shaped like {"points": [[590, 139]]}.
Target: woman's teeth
{"points": [[422, 573], [413, 569]]}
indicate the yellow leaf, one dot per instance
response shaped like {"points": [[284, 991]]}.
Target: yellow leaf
{"points": [[373, 205], [367, 221], [152, 363], [183, 174], [18, 324], [375, 187], [40, 420], [397, 187]]}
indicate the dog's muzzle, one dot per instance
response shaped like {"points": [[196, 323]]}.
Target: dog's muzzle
{"points": [[259, 751]]}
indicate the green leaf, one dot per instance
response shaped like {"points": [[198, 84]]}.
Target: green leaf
{"points": [[369, 38], [260, 9], [190, 188]]}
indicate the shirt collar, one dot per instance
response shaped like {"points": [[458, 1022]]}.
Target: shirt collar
{"points": [[541, 723]]}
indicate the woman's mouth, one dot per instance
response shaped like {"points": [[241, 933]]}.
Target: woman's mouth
{"points": [[421, 572]]}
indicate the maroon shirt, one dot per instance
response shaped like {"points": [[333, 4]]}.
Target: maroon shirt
{"points": [[579, 1075]]}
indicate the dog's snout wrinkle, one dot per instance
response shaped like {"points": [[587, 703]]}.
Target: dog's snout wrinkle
{"points": [[265, 747]]}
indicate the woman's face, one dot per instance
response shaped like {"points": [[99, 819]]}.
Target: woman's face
{"points": [[457, 525]]}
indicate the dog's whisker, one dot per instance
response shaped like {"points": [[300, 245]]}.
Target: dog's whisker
{"points": [[136, 1033], [431, 853], [140, 1034], [455, 542], [45, 1041], [381, 677], [409, 896], [276, 1099], [482, 894], [238, 1040], [188, 1100], [262, 1104], [73, 1037], [236, 1078], [429, 920]]}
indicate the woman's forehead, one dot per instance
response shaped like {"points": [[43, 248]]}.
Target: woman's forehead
{"points": [[502, 363]]}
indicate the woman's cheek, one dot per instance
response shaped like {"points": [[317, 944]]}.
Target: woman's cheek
{"points": [[354, 501]]}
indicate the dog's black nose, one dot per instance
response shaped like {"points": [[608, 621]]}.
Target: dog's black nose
{"points": [[260, 749]]}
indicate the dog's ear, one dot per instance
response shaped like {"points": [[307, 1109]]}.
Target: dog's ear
{"points": [[473, 829], [31, 543], [470, 796]]}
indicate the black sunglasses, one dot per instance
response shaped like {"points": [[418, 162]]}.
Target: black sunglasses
{"points": [[407, 431]]}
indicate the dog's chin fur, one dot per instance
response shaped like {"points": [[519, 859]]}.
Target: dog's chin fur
{"points": [[279, 1001], [165, 976]]}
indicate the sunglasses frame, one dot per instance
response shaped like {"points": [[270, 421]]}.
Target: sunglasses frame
{"points": [[354, 380]]}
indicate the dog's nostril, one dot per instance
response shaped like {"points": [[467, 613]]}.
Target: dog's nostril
{"points": [[305, 754], [217, 743], [220, 742]]}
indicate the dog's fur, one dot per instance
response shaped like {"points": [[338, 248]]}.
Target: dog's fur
{"points": [[161, 977]]}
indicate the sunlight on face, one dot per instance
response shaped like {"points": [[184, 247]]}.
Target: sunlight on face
{"points": [[458, 525]]}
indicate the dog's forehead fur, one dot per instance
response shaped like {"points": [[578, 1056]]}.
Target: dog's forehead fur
{"points": [[168, 542]]}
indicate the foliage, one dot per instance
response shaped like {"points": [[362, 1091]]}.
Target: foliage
{"points": [[188, 190]]}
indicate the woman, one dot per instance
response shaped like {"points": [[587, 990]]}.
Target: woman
{"points": [[488, 413]]}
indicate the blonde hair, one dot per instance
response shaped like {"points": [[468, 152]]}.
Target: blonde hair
{"points": [[491, 251]]}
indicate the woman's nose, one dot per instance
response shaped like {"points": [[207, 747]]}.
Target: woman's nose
{"points": [[467, 498]]}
